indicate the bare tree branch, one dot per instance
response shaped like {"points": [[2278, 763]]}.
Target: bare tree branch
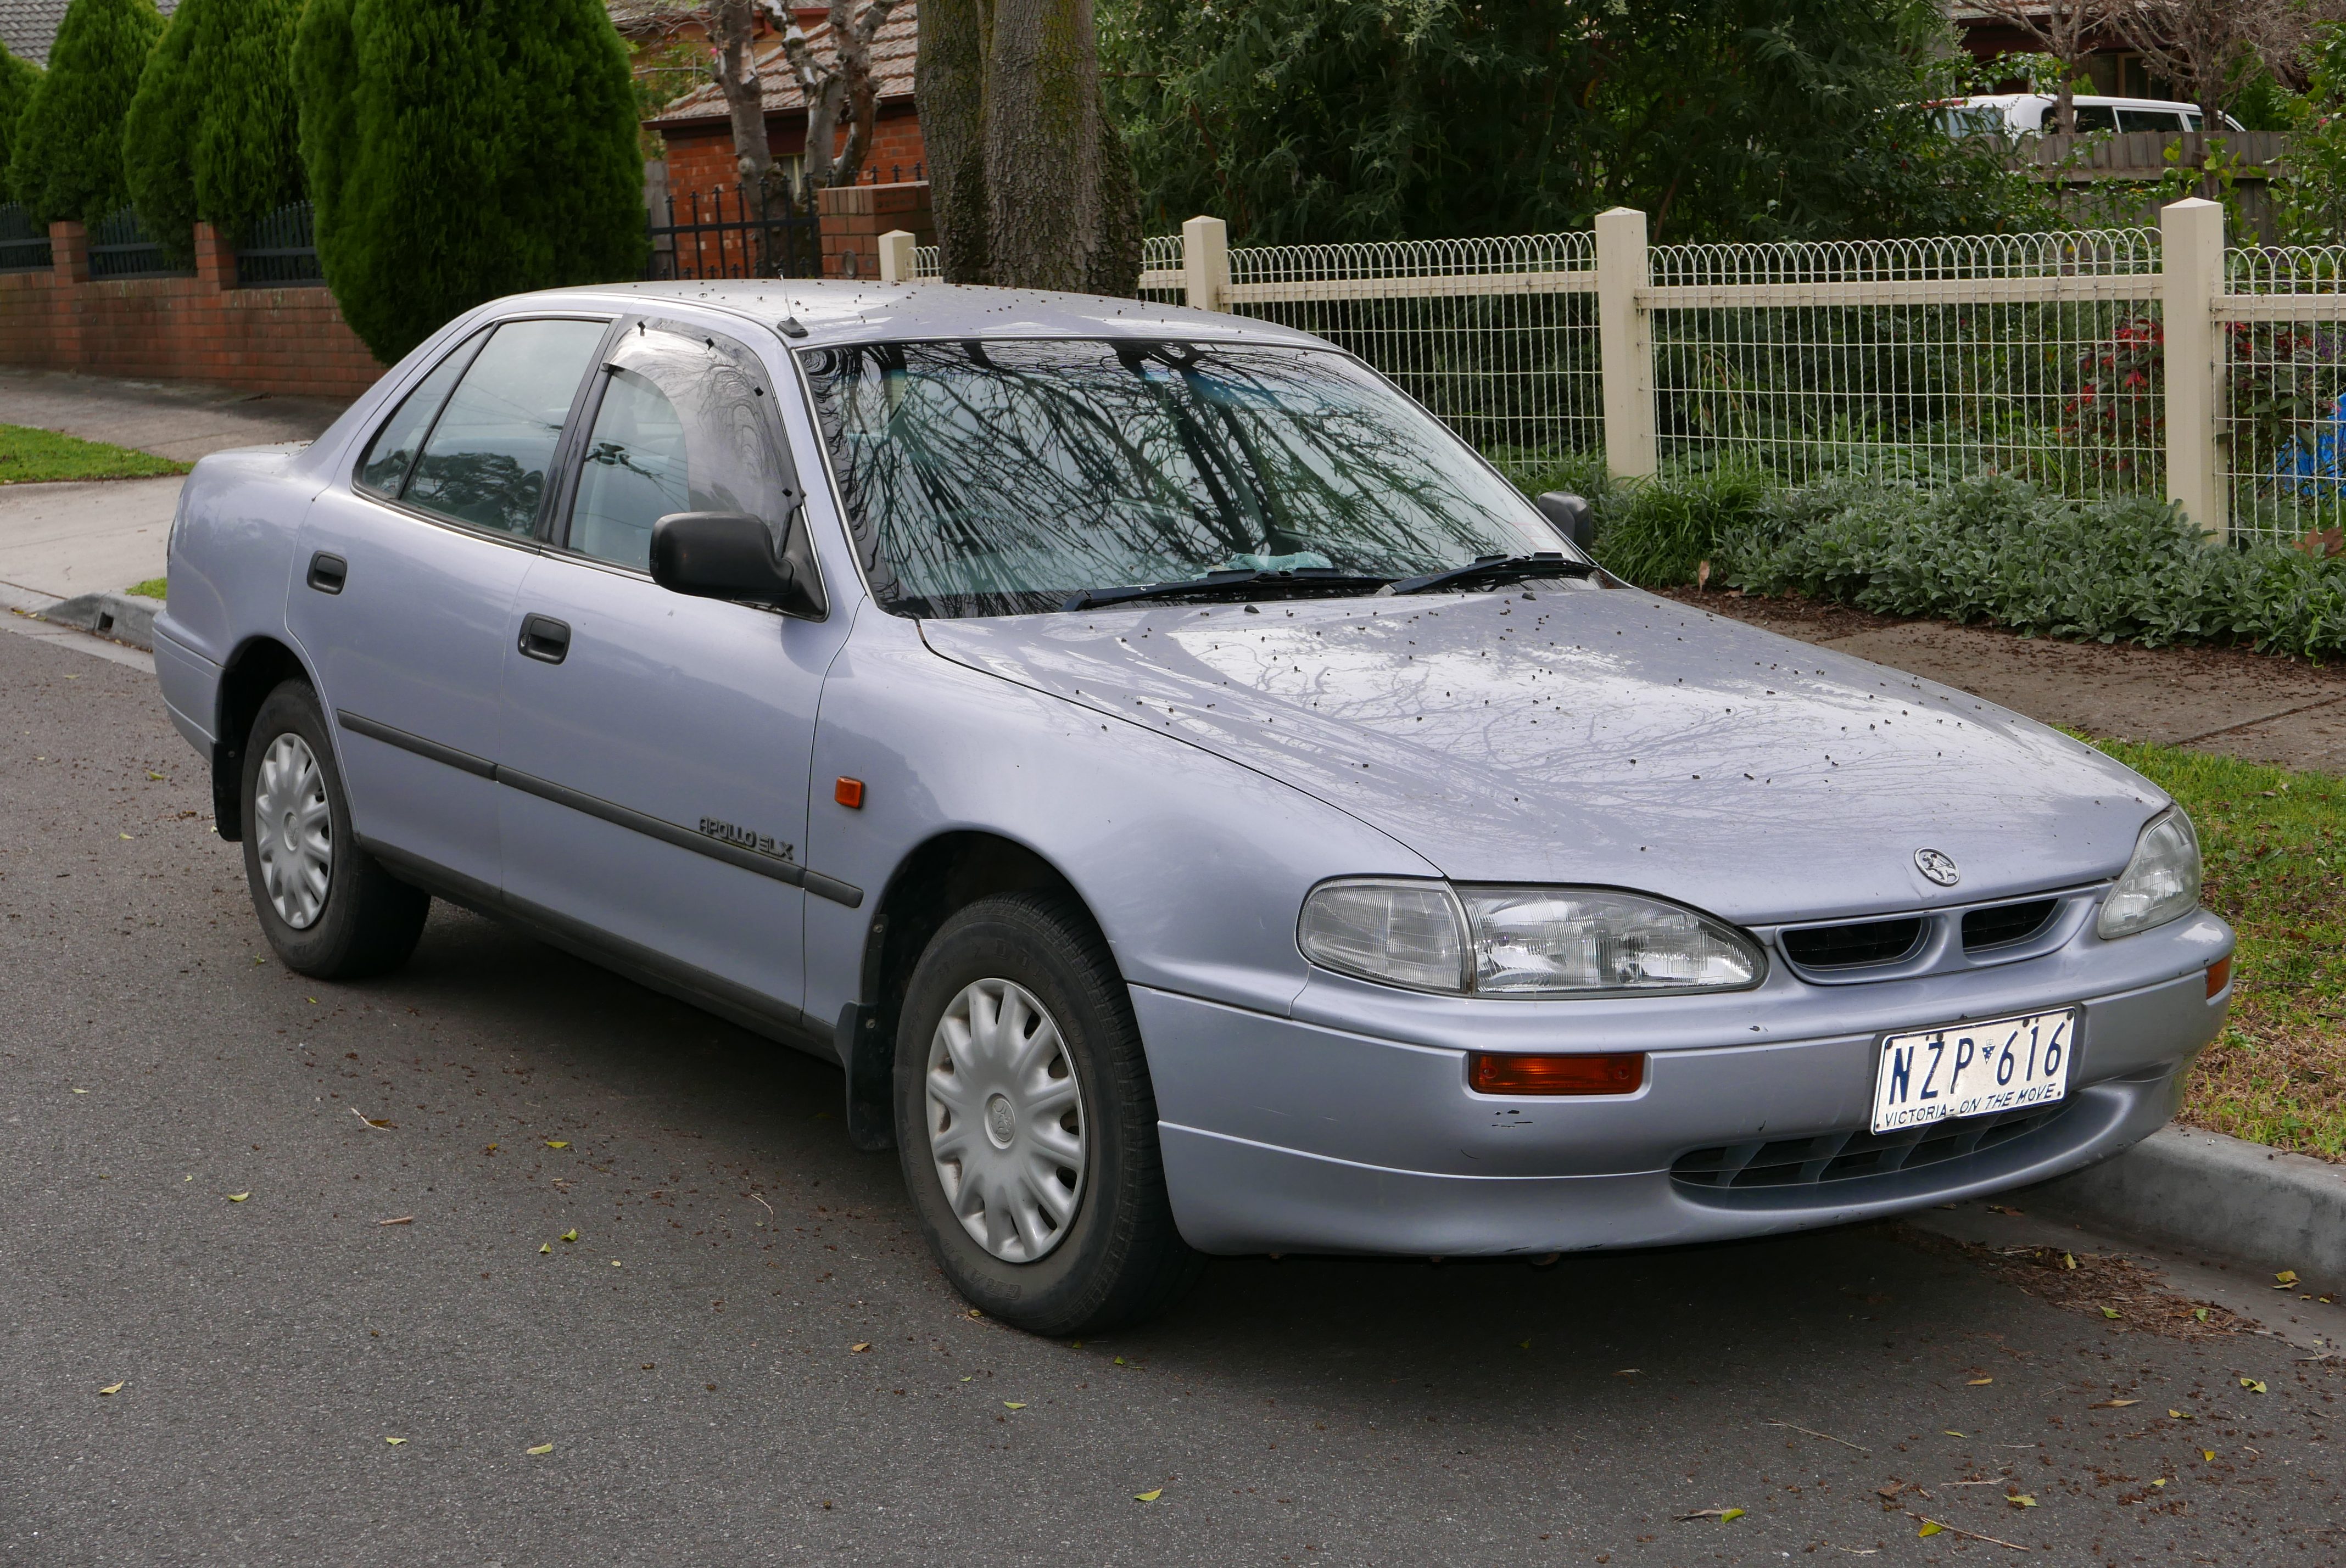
{"points": [[844, 81], [2064, 29]]}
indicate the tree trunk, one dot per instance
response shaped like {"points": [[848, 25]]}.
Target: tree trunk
{"points": [[950, 87], [2064, 106], [733, 40], [1060, 207]]}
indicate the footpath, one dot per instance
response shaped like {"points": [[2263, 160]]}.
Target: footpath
{"points": [[67, 550]]}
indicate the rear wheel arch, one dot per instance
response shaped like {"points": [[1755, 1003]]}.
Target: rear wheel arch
{"points": [[258, 666], [938, 879]]}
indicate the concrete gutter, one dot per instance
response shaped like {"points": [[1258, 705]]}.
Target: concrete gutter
{"points": [[123, 617], [2204, 1193]]}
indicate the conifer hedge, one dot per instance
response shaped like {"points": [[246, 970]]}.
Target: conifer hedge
{"points": [[461, 150], [210, 133], [17, 79], [65, 161]]}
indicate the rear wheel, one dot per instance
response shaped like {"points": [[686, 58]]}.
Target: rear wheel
{"points": [[329, 910], [1026, 1124]]}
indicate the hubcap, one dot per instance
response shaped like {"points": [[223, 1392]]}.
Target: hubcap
{"points": [[296, 837], [1005, 1120]]}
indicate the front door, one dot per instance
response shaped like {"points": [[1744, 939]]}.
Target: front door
{"points": [[656, 748], [404, 587]]}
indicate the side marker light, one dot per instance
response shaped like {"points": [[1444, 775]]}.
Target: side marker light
{"points": [[849, 792], [2220, 975]]}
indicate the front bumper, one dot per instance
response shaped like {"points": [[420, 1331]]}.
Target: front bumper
{"points": [[1298, 1134]]}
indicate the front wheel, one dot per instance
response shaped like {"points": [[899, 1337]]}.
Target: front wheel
{"points": [[329, 910], [1027, 1127]]}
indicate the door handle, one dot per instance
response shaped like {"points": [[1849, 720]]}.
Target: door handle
{"points": [[544, 638], [328, 572]]}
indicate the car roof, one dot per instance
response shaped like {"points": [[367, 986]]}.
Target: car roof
{"points": [[2092, 100], [845, 311]]}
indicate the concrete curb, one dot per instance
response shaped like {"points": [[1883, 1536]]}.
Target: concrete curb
{"points": [[123, 617], [2209, 1193]]}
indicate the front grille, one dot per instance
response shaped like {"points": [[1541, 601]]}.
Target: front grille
{"points": [[1840, 1156], [1848, 946], [2006, 923]]}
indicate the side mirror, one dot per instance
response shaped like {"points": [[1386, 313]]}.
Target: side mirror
{"points": [[1571, 517], [732, 556]]}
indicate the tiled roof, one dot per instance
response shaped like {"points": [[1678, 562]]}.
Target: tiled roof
{"points": [[893, 49], [28, 27]]}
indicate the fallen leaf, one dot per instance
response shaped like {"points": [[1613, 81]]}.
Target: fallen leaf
{"points": [[1975, 1382], [402, 1219], [2200, 1313], [570, 1235], [2113, 1404], [2288, 1276], [1629, 1372], [81, 1091], [615, 1263], [548, 1247], [2253, 1385], [237, 1197], [2160, 1481], [154, 776], [543, 1448], [1722, 1514], [111, 1388], [859, 1349], [1012, 1405], [558, 1143], [1524, 1345], [1950, 1432], [2209, 1454], [1151, 1496], [2068, 1261], [1929, 1527], [122, 835], [1119, 1361], [2109, 1311], [2019, 1500], [394, 1441]]}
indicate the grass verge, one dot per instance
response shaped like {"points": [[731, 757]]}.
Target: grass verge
{"points": [[152, 589], [2275, 844], [29, 456]]}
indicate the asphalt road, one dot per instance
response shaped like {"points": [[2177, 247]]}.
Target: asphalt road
{"points": [[745, 1356]]}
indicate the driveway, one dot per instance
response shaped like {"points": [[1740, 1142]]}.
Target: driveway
{"points": [[287, 1223]]}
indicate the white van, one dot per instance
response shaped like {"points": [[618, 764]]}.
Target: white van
{"points": [[2032, 113]]}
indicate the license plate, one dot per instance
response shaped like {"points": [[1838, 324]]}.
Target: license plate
{"points": [[1972, 1069]]}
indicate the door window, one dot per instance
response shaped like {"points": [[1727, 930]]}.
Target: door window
{"points": [[2096, 118], [485, 462], [686, 424], [2149, 120], [384, 470]]}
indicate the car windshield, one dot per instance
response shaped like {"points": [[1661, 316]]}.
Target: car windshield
{"points": [[988, 478]]}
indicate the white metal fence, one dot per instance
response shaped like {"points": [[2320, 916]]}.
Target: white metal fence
{"points": [[2094, 363]]}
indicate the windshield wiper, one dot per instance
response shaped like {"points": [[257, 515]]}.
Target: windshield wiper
{"points": [[1496, 569], [1247, 584]]}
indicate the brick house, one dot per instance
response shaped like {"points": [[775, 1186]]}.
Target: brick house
{"points": [[700, 135]]}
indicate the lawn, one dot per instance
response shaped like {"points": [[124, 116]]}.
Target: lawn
{"points": [[29, 456], [2275, 843]]}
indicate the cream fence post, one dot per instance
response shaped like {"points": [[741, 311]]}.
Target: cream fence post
{"points": [[896, 256], [2191, 260], [1206, 263], [1625, 343]]}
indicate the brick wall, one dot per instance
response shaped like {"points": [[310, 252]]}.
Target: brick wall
{"points": [[202, 329], [855, 216], [700, 155]]}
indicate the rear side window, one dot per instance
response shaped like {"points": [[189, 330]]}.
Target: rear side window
{"points": [[390, 457], [486, 459], [2095, 117], [2150, 120]]}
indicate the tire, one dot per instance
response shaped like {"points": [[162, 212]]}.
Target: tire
{"points": [[1114, 1255], [347, 918]]}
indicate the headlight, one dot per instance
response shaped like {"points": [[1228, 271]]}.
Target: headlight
{"points": [[2161, 883], [1520, 942]]}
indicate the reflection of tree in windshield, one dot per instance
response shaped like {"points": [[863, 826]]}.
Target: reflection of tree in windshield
{"points": [[993, 478]]}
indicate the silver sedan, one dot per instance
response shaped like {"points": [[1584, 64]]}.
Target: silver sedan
{"points": [[1198, 803]]}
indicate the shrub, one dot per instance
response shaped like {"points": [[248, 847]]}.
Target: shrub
{"points": [[462, 149], [17, 79], [1658, 532], [211, 132], [66, 158]]}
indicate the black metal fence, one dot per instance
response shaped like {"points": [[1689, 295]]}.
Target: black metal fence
{"points": [[23, 247], [737, 233], [281, 250], [121, 247]]}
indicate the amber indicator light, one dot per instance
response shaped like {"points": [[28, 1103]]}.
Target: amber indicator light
{"points": [[2220, 975], [1491, 1072], [849, 792]]}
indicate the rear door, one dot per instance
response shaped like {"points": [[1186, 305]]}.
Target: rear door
{"points": [[405, 584], [656, 748]]}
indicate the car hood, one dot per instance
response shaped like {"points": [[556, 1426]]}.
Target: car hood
{"points": [[1602, 736]]}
